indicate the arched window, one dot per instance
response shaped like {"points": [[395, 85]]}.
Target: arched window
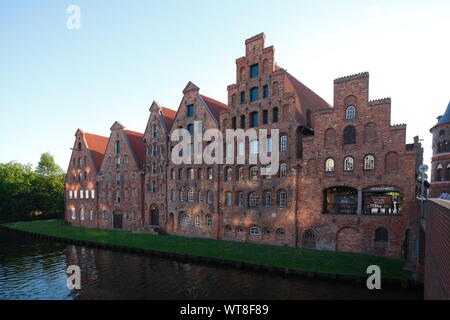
{"points": [[283, 171], [309, 235], [209, 221], [253, 200], [255, 231], [228, 174], [330, 137], [267, 199], [240, 199], [350, 112], [253, 119], [349, 164], [329, 165], [283, 143], [242, 97], [391, 162], [349, 135], [275, 88], [181, 195], [254, 173], [281, 234], [282, 199], [190, 195], [197, 221], [209, 197], [184, 219], [275, 115], [228, 199], [439, 173], [370, 133], [381, 235], [369, 162], [240, 173]]}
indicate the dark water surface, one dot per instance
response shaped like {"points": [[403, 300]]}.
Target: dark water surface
{"points": [[36, 269]]}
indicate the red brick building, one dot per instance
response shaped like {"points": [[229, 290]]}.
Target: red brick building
{"points": [[346, 180], [440, 162]]}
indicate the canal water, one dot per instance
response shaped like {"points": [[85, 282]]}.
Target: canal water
{"points": [[36, 269]]}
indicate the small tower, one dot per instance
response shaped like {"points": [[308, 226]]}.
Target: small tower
{"points": [[440, 162]]}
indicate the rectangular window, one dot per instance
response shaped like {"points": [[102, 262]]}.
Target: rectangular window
{"points": [[283, 143], [254, 147], [70, 194], [243, 97], [118, 180], [254, 120], [74, 215], [269, 145], [242, 122], [118, 163], [240, 201], [233, 123], [254, 71], [117, 147], [91, 215], [265, 91], [190, 110], [229, 199], [254, 94], [265, 116], [87, 194], [81, 194], [241, 149]]}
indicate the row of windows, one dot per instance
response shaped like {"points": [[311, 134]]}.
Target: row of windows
{"points": [[191, 197], [83, 215], [257, 231], [253, 199], [253, 173], [391, 163], [118, 161], [254, 119], [349, 163], [84, 194], [349, 135], [126, 215], [185, 220], [442, 175], [118, 195], [443, 146]]}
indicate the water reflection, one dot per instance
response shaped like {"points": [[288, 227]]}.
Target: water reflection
{"points": [[35, 269]]}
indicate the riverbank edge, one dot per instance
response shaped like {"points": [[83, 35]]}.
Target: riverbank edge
{"points": [[212, 261]]}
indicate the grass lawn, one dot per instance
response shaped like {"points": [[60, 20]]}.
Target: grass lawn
{"points": [[292, 258]]}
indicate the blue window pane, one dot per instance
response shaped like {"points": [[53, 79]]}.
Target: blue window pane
{"points": [[242, 97], [190, 110], [266, 92], [254, 119], [253, 94], [190, 128], [254, 71]]}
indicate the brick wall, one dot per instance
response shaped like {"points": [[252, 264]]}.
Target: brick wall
{"points": [[437, 250]]}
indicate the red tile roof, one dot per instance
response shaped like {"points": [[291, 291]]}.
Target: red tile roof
{"points": [[137, 145], [169, 116], [97, 146], [216, 107], [308, 98]]}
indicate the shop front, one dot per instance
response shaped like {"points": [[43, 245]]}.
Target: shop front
{"points": [[381, 200], [341, 200]]}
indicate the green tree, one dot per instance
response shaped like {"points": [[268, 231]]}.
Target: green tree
{"points": [[47, 165]]}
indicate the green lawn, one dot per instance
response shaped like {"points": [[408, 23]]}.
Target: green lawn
{"points": [[292, 258]]}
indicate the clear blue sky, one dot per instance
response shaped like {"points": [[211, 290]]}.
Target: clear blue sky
{"points": [[129, 53]]}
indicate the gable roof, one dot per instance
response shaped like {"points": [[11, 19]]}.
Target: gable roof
{"points": [[216, 107], [97, 146], [308, 98], [169, 117], [136, 145]]}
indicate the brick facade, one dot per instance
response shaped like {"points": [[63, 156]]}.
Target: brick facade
{"points": [[369, 208], [437, 244]]}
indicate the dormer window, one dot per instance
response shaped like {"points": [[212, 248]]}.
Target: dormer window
{"points": [[254, 71], [190, 110], [350, 112]]}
